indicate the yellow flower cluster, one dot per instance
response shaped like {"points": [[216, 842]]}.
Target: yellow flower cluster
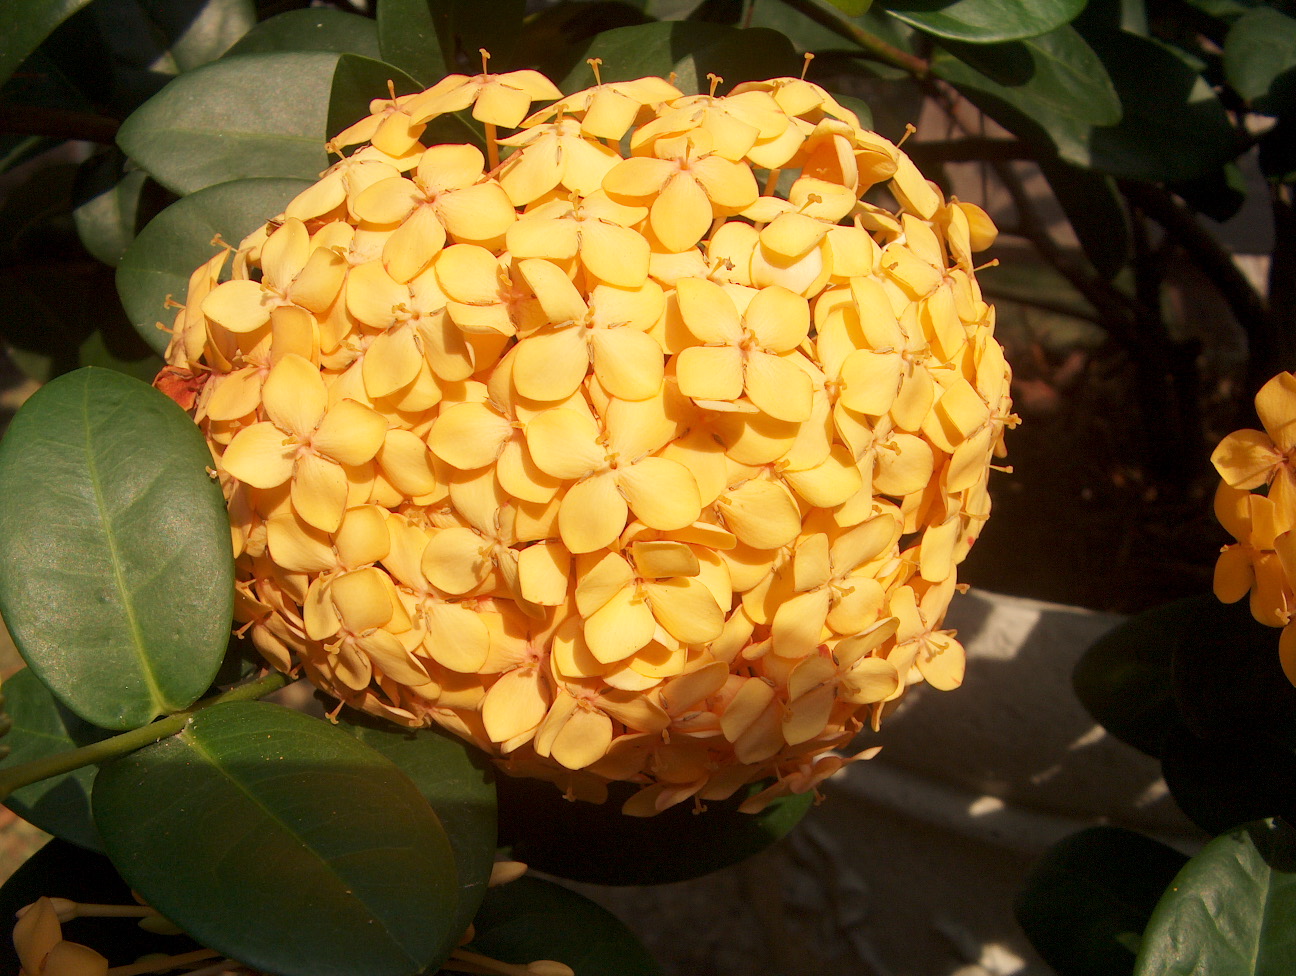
{"points": [[616, 458], [1263, 560]]}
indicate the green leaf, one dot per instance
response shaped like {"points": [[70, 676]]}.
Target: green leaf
{"points": [[1172, 126], [108, 199], [1050, 89], [1222, 783], [251, 115], [433, 38], [24, 26], [558, 35], [1096, 211], [283, 842], [312, 29], [42, 727], [179, 239], [599, 844], [459, 783], [200, 31], [1085, 904], [530, 919], [117, 581], [692, 50], [852, 8], [1220, 193], [64, 870], [1260, 59], [985, 21], [1231, 911]]}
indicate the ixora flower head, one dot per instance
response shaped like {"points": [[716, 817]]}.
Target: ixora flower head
{"points": [[645, 454]]}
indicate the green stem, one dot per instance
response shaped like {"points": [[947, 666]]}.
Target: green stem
{"points": [[119, 745], [877, 47]]}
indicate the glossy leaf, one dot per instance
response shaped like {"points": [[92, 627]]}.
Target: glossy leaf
{"points": [[199, 31], [1051, 88], [1260, 59], [250, 115], [433, 38], [691, 50], [599, 844], [985, 21], [459, 783], [1172, 126], [312, 29], [1231, 911], [531, 918], [117, 581], [179, 239], [42, 727], [63, 870], [1096, 210], [108, 198], [1222, 783], [1085, 904], [282, 841], [23, 28]]}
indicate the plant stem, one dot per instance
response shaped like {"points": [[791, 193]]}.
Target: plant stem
{"points": [[97, 752], [155, 965], [877, 47]]}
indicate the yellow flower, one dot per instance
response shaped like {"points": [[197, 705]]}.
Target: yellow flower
{"points": [[615, 465]]}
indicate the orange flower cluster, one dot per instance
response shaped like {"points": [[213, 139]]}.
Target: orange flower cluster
{"points": [[1263, 560], [647, 454]]}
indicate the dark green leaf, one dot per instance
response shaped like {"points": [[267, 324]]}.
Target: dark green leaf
{"points": [[24, 26], [532, 919], [1278, 152], [1231, 911], [1221, 783], [1124, 680], [985, 21], [556, 37], [1219, 194], [459, 783], [433, 38], [1085, 904], [597, 843], [108, 201], [251, 115], [1172, 126], [283, 842], [1260, 59], [691, 50], [1096, 211], [199, 31], [1225, 9], [42, 727], [117, 581], [312, 29], [852, 8], [1049, 89], [63, 870], [179, 239]]}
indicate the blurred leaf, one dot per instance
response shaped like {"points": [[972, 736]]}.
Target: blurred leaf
{"points": [[852, 8], [1051, 88], [16, 150], [24, 26], [433, 38], [285, 843], [1225, 9], [251, 115], [312, 29], [105, 509], [459, 783], [64, 870], [199, 31], [42, 727], [599, 844], [1085, 904], [1229, 911], [806, 33], [1096, 211], [1172, 126], [1260, 59], [985, 21], [1222, 783], [556, 37], [1219, 194], [108, 200], [1278, 152], [1124, 680], [691, 50], [179, 239], [530, 919], [861, 109]]}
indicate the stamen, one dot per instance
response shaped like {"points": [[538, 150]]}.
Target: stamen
{"points": [[809, 56], [485, 56], [391, 90], [910, 129], [715, 80], [594, 66]]}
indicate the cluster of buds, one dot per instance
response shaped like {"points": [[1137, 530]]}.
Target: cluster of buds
{"points": [[615, 458], [1256, 503]]}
